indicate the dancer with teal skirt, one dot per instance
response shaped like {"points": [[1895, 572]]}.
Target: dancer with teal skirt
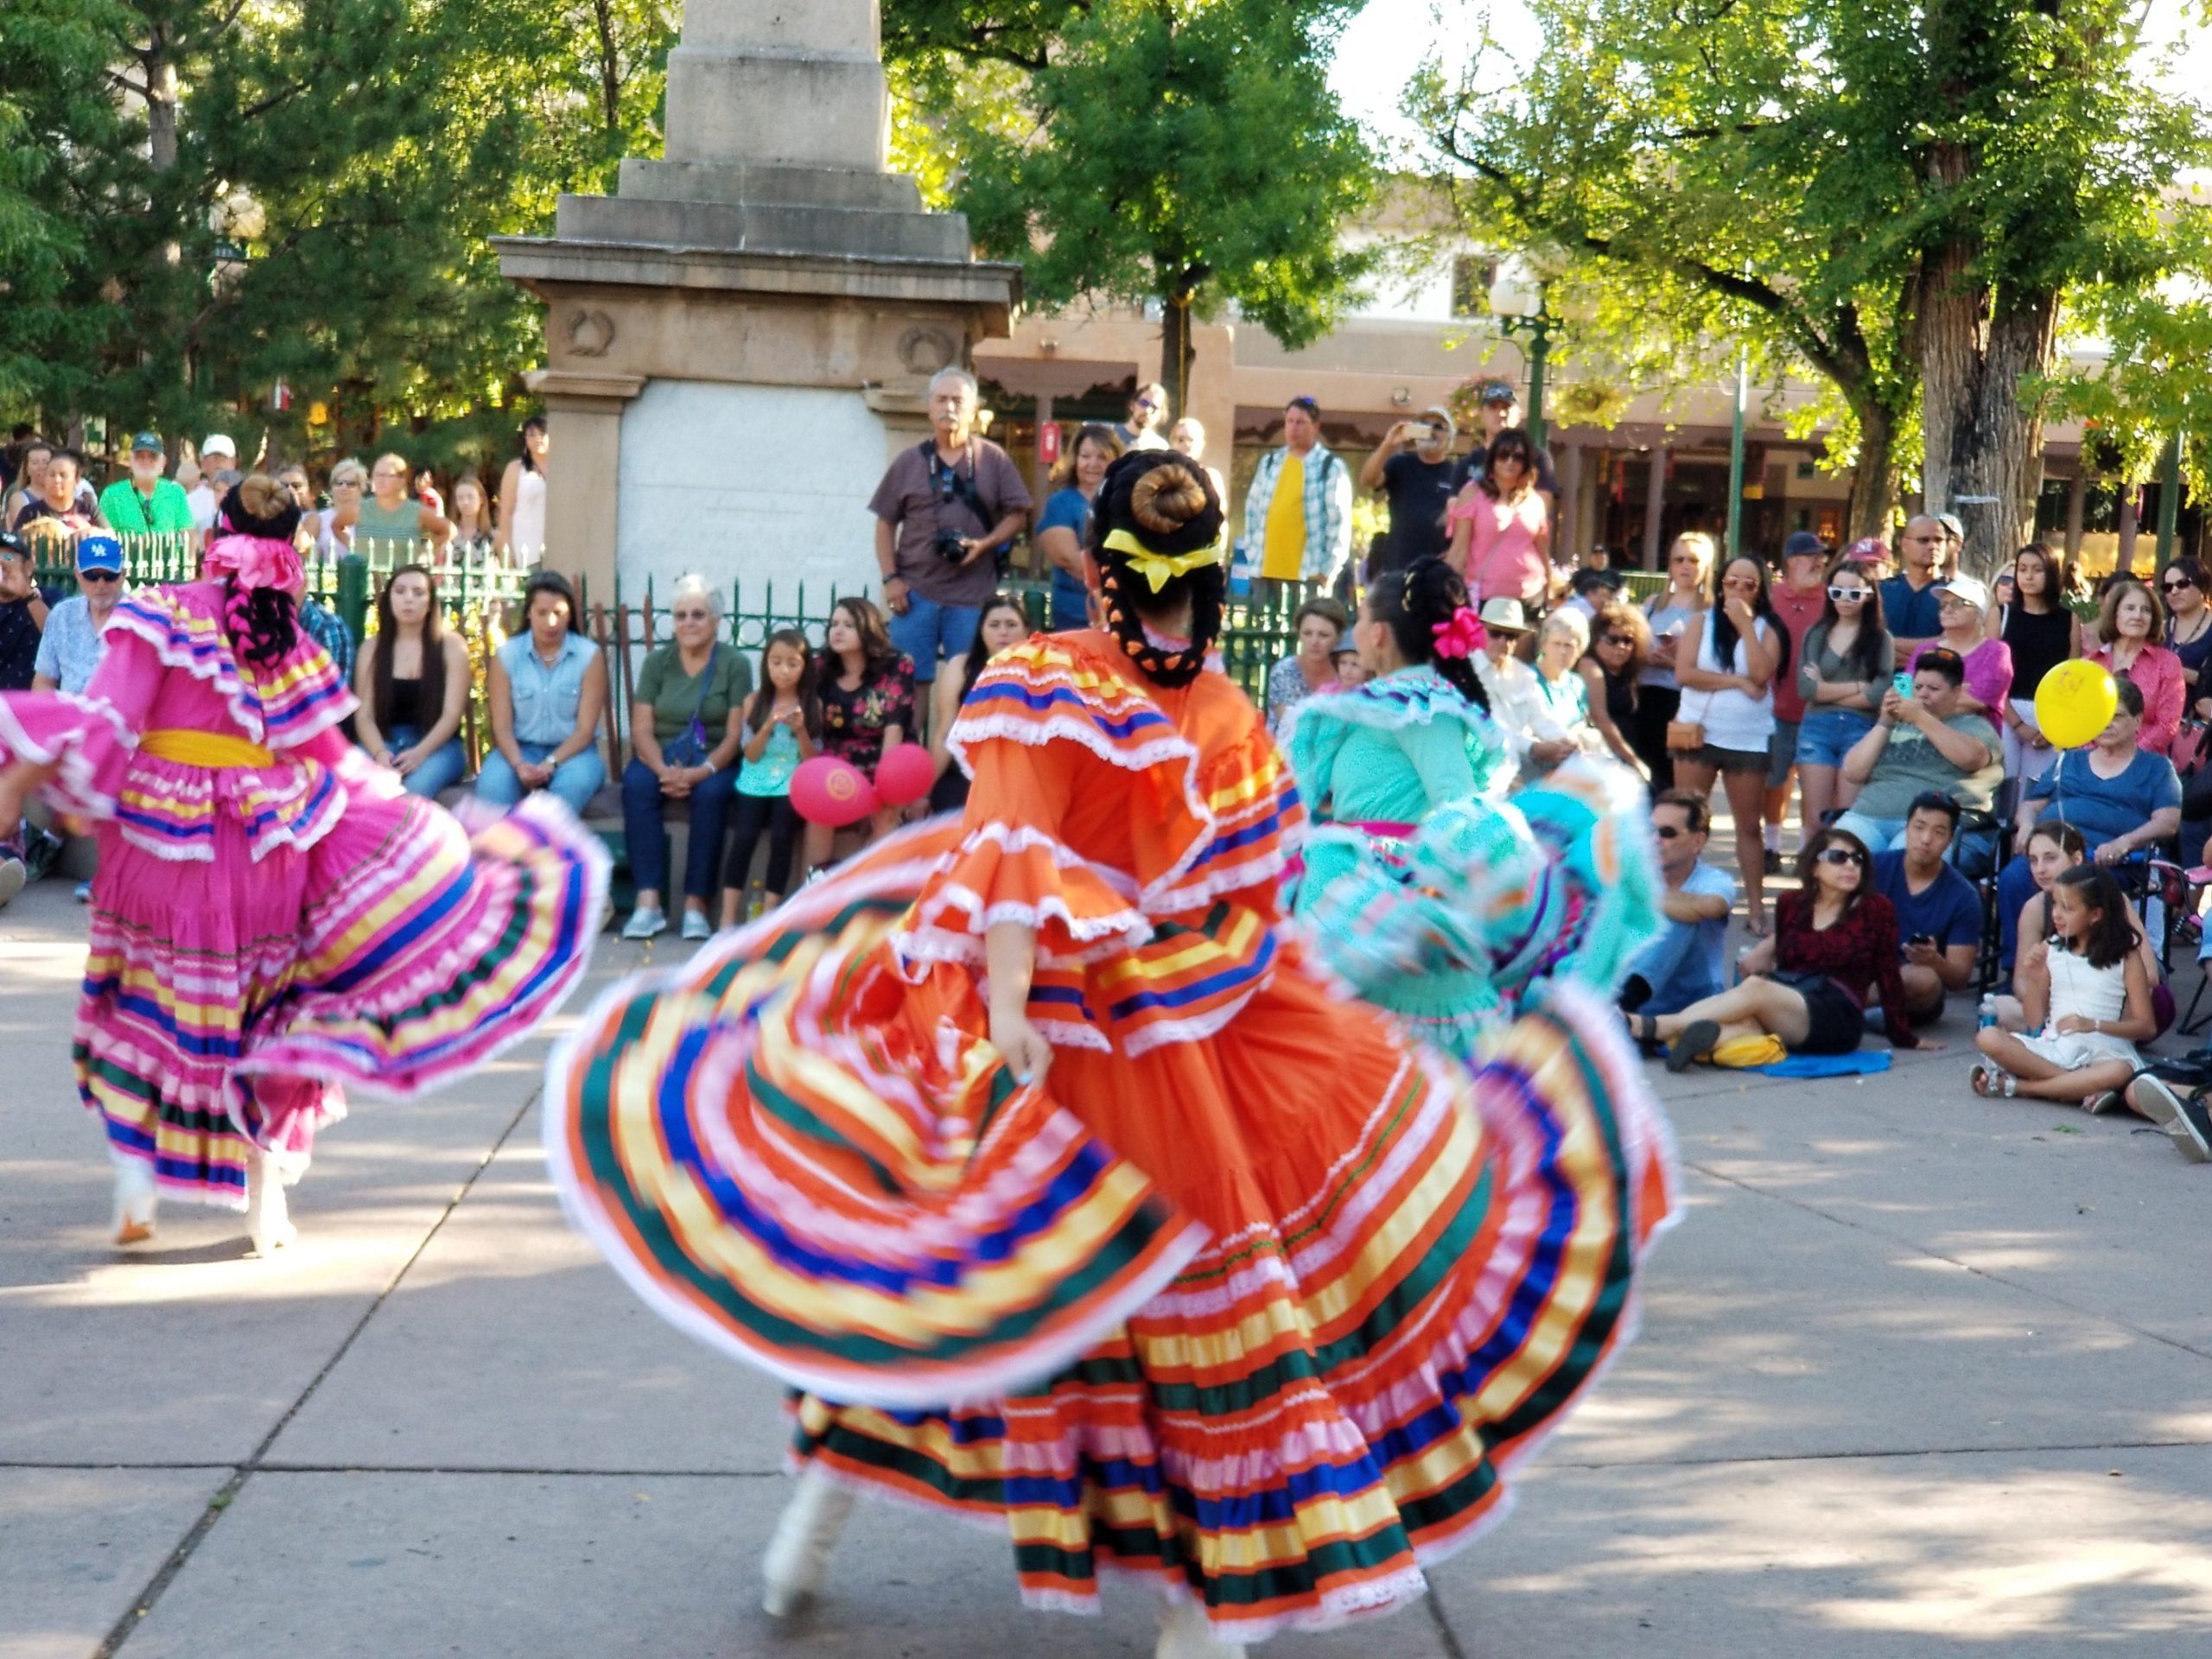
{"points": [[1435, 898]]}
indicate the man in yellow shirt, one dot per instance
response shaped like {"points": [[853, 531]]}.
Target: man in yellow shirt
{"points": [[1298, 511]]}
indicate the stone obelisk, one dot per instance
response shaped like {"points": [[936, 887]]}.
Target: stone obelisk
{"points": [[740, 337]]}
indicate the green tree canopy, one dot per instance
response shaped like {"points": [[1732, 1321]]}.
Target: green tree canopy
{"points": [[1896, 194], [301, 193], [1185, 152]]}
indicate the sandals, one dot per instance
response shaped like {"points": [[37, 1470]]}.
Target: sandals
{"points": [[1993, 1082], [1643, 1031], [1697, 1040]]}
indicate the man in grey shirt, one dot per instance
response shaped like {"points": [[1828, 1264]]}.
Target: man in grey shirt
{"points": [[944, 510]]}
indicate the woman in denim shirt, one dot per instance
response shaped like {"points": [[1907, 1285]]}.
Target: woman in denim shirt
{"points": [[548, 688]]}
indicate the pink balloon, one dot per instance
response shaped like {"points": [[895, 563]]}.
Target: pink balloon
{"points": [[904, 775], [826, 789]]}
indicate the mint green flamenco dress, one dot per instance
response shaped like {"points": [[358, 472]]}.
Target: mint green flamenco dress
{"points": [[1434, 897]]}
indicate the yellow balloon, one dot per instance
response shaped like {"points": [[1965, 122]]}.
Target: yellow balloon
{"points": [[2075, 702]]}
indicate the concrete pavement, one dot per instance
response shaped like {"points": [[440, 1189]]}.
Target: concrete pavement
{"points": [[1919, 1373]]}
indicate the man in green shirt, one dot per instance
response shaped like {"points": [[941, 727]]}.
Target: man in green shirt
{"points": [[145, 503]]}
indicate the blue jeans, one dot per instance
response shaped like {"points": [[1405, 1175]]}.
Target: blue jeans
{"points": [[439, 771], [1674, 966], [644, 812], [1879, 834], [1826, 736], [575, 781], [1070, 603], [928, 629]]}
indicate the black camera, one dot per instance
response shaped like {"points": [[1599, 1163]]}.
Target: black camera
{"points": [[949, 545]]}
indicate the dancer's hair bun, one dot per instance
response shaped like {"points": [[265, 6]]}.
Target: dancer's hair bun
{"points": [[1157, 510]]}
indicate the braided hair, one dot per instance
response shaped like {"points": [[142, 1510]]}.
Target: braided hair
{"points": [[1168, 503], [1414, 605], [263, 622]]}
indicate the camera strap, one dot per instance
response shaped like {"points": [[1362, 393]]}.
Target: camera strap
{"points": [[964, 487]]}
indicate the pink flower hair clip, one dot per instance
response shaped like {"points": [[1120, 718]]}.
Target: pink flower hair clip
{"points": [[1461, 636]]}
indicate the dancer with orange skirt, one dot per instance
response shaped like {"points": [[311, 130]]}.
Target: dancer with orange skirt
{"points": [[1032, 1148], [275, 921]]}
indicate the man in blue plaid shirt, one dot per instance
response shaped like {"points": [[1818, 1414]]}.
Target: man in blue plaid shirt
{"points": [[1298, 511]]}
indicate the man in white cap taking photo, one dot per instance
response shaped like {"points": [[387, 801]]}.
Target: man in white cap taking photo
{"points": [[217, 453]]}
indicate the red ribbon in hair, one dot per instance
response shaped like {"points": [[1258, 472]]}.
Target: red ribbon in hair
{"points": [[1463, 635]]}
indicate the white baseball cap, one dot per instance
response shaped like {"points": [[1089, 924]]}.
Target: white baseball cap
{"points": [[216, 444], [1966, 588]]}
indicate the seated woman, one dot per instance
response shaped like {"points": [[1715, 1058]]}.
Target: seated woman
{"points": [[2098, 1008], [1561, 644], [1620, 644], [547, 690], [2125, 799], [866, 687], [1003, 622], [1320, 625], [413, 680], [1807, 984], [2054, 848], [684, 740]]}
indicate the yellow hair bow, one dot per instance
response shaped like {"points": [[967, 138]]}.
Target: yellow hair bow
{"points": [[1159, 568]]}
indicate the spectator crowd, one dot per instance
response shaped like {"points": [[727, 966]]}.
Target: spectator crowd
{"points": [[1890, 699]]}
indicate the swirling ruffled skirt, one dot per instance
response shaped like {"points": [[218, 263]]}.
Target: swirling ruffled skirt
{"points": [[1263, 1316], [232, 1002]]}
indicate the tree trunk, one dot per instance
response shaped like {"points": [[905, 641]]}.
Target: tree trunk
{"points": [[1984, 438], [161, 101], [1176, 352], [1873, 475]]}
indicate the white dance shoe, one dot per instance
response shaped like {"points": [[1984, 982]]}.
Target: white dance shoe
{"points": [[135, 1195], [267, 1225], [1185, 1634], [798, 1553]]}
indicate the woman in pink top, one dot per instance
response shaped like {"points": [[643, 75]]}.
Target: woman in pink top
{"points": [[1501, 530], [1964, 609], [2128, 623]]}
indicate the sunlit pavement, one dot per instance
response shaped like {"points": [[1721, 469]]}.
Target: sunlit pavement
{"points": [[1918, 1373]]}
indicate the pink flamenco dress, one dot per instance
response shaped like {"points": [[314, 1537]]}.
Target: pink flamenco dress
{"points": [[275, 922], [1250, 1299]]}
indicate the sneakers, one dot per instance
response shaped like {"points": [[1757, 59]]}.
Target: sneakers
{"points": [[697, 926], [2185, 1118], [41, 851], [1774, 863], [84, 893], [2105, 1104], [646, 925], [13, 874]]}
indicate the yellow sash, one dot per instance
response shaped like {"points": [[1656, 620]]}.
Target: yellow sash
{"points": [[216, 751]]}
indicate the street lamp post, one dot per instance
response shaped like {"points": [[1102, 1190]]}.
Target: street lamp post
{"points": [[1735, 543], [2169, 499], [1516, 301]]}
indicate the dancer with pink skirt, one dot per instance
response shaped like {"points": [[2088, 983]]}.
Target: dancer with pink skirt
{"points": [[275, 921]]}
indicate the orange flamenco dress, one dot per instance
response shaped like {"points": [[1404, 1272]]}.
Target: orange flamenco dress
{"points": [[1250, 1295]]}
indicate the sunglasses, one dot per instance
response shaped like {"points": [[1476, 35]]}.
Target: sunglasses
{"points": [[99, 576], [1614, 639], [1667, 831], [2175, 585], [1839, 855], [1845, 596], [1147, 403]]}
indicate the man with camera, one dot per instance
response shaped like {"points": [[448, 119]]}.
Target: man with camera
{"points": [[945, 513], [1411, 470]]}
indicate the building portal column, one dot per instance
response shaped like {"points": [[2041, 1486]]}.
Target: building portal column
{"points": [[2077, 501], [1654, 503]]}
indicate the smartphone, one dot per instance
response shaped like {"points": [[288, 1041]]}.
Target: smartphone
{"points": [[1903, 684], [1922, 939]]}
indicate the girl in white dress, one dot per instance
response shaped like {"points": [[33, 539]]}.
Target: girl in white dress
{"points": [[2100, 1003]]}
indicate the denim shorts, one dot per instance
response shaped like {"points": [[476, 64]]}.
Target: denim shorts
{"points": [[927, 629], [1824, 738], [1781, 753]]}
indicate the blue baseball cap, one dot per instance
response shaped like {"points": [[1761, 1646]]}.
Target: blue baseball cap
{"points": [[99, 553], [147, 440]]}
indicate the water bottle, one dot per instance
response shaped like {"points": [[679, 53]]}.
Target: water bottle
{"points": [[1988, 1012]]}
